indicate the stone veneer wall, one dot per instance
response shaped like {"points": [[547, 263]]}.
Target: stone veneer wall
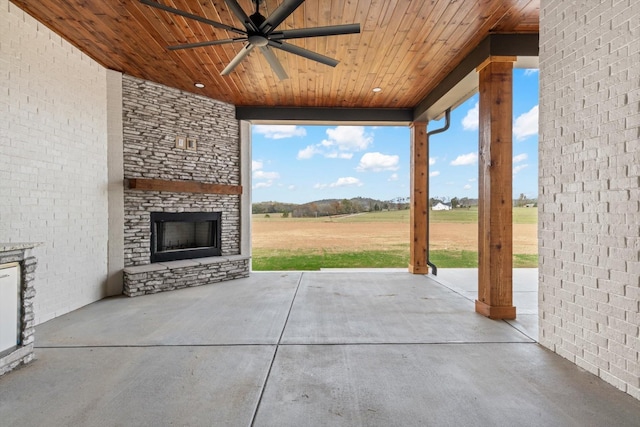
{"points": [[139, 205], [589, 220], [153, 116], [168, 276], [24, 353]]}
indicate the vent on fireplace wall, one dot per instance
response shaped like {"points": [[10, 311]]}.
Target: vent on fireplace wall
{"points": [[185, 235]]}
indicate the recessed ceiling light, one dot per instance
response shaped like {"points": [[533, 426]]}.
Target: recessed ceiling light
{"points": [[377, 89], [199, 85]]}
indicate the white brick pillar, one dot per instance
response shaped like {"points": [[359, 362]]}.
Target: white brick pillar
{"points": [[589, 209]]}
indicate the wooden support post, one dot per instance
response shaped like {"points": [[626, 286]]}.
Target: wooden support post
{"points": [[495, 235], [419, 199]]}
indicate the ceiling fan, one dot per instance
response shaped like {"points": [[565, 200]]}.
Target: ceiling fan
{"points": [[260, 32]]}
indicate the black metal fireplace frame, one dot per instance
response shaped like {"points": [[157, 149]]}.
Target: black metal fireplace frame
{"points": [[158, 217]]}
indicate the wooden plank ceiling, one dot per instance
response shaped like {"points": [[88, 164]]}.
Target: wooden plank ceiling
{"points": [[406, 47]]}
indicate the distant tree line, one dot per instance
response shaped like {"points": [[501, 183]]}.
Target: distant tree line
{"points": [[329, 207], [524, 201]]}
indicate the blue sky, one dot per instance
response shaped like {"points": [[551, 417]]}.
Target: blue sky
{"points": [[299, 164]]}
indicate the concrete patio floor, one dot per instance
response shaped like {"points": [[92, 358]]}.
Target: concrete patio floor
{"points": [[346, 348]]}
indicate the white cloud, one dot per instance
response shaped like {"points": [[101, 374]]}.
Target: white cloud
{"points": [[347, 181], [519, 168], [520, 158], [467, 187], [291, 188], [336, 155], [432, 161], [266, 184], [470, 121], [347, 138], [308, 152], [378, 162], [341, 143], [393, 177], [260, 174], [526, 124], [465, 159], [473, 179], [434, 173], [530, 71], [279, 131]]}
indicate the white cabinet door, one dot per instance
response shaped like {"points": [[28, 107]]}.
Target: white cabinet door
{"points": [[9, 305]]}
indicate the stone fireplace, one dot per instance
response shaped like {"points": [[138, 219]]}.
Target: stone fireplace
{"points": [[184, 235], [182, 196]]}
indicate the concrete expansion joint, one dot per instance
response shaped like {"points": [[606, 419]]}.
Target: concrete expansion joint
{"points": [[275, 352]]}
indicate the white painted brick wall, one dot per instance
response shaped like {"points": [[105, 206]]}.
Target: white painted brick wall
{"points": [[53, 161], [589, 223]]}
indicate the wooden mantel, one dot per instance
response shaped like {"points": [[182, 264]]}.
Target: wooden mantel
{"points": [[182, 186]]}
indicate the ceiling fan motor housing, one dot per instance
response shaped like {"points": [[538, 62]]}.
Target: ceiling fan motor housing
{"points": [[258, 40]]}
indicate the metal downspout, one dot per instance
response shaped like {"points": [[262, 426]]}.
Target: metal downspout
{"points": [[447, 122]]}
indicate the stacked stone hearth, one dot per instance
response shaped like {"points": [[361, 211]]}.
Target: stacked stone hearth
{"points": [[153, 117], [23, 353]]}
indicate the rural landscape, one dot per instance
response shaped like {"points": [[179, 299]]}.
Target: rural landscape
{"points": [[377, 238]]}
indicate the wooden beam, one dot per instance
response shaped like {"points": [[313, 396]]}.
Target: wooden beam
{"points": [[492, 45], [497, 59], [419, 232], [257, 114], [495, 237], [182, 186]]}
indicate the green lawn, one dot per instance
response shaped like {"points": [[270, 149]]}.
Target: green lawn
{"points": [[470, 215], [315, 260], [265, 260]]}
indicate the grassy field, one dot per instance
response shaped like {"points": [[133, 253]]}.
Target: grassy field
{"points": [[455, 216], [379, 240]]}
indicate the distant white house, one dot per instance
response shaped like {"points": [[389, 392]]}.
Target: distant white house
{"points": [[441, 207]]}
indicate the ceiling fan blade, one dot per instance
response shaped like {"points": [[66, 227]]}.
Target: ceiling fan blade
{"points": [[241, 15], [238, 58], [273, 61], [280, 14], [192, 16], [208, 43], [304, 53], [333, 30]]}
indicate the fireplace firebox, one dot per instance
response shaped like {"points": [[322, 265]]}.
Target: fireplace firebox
{"points": [[185, 235]]}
